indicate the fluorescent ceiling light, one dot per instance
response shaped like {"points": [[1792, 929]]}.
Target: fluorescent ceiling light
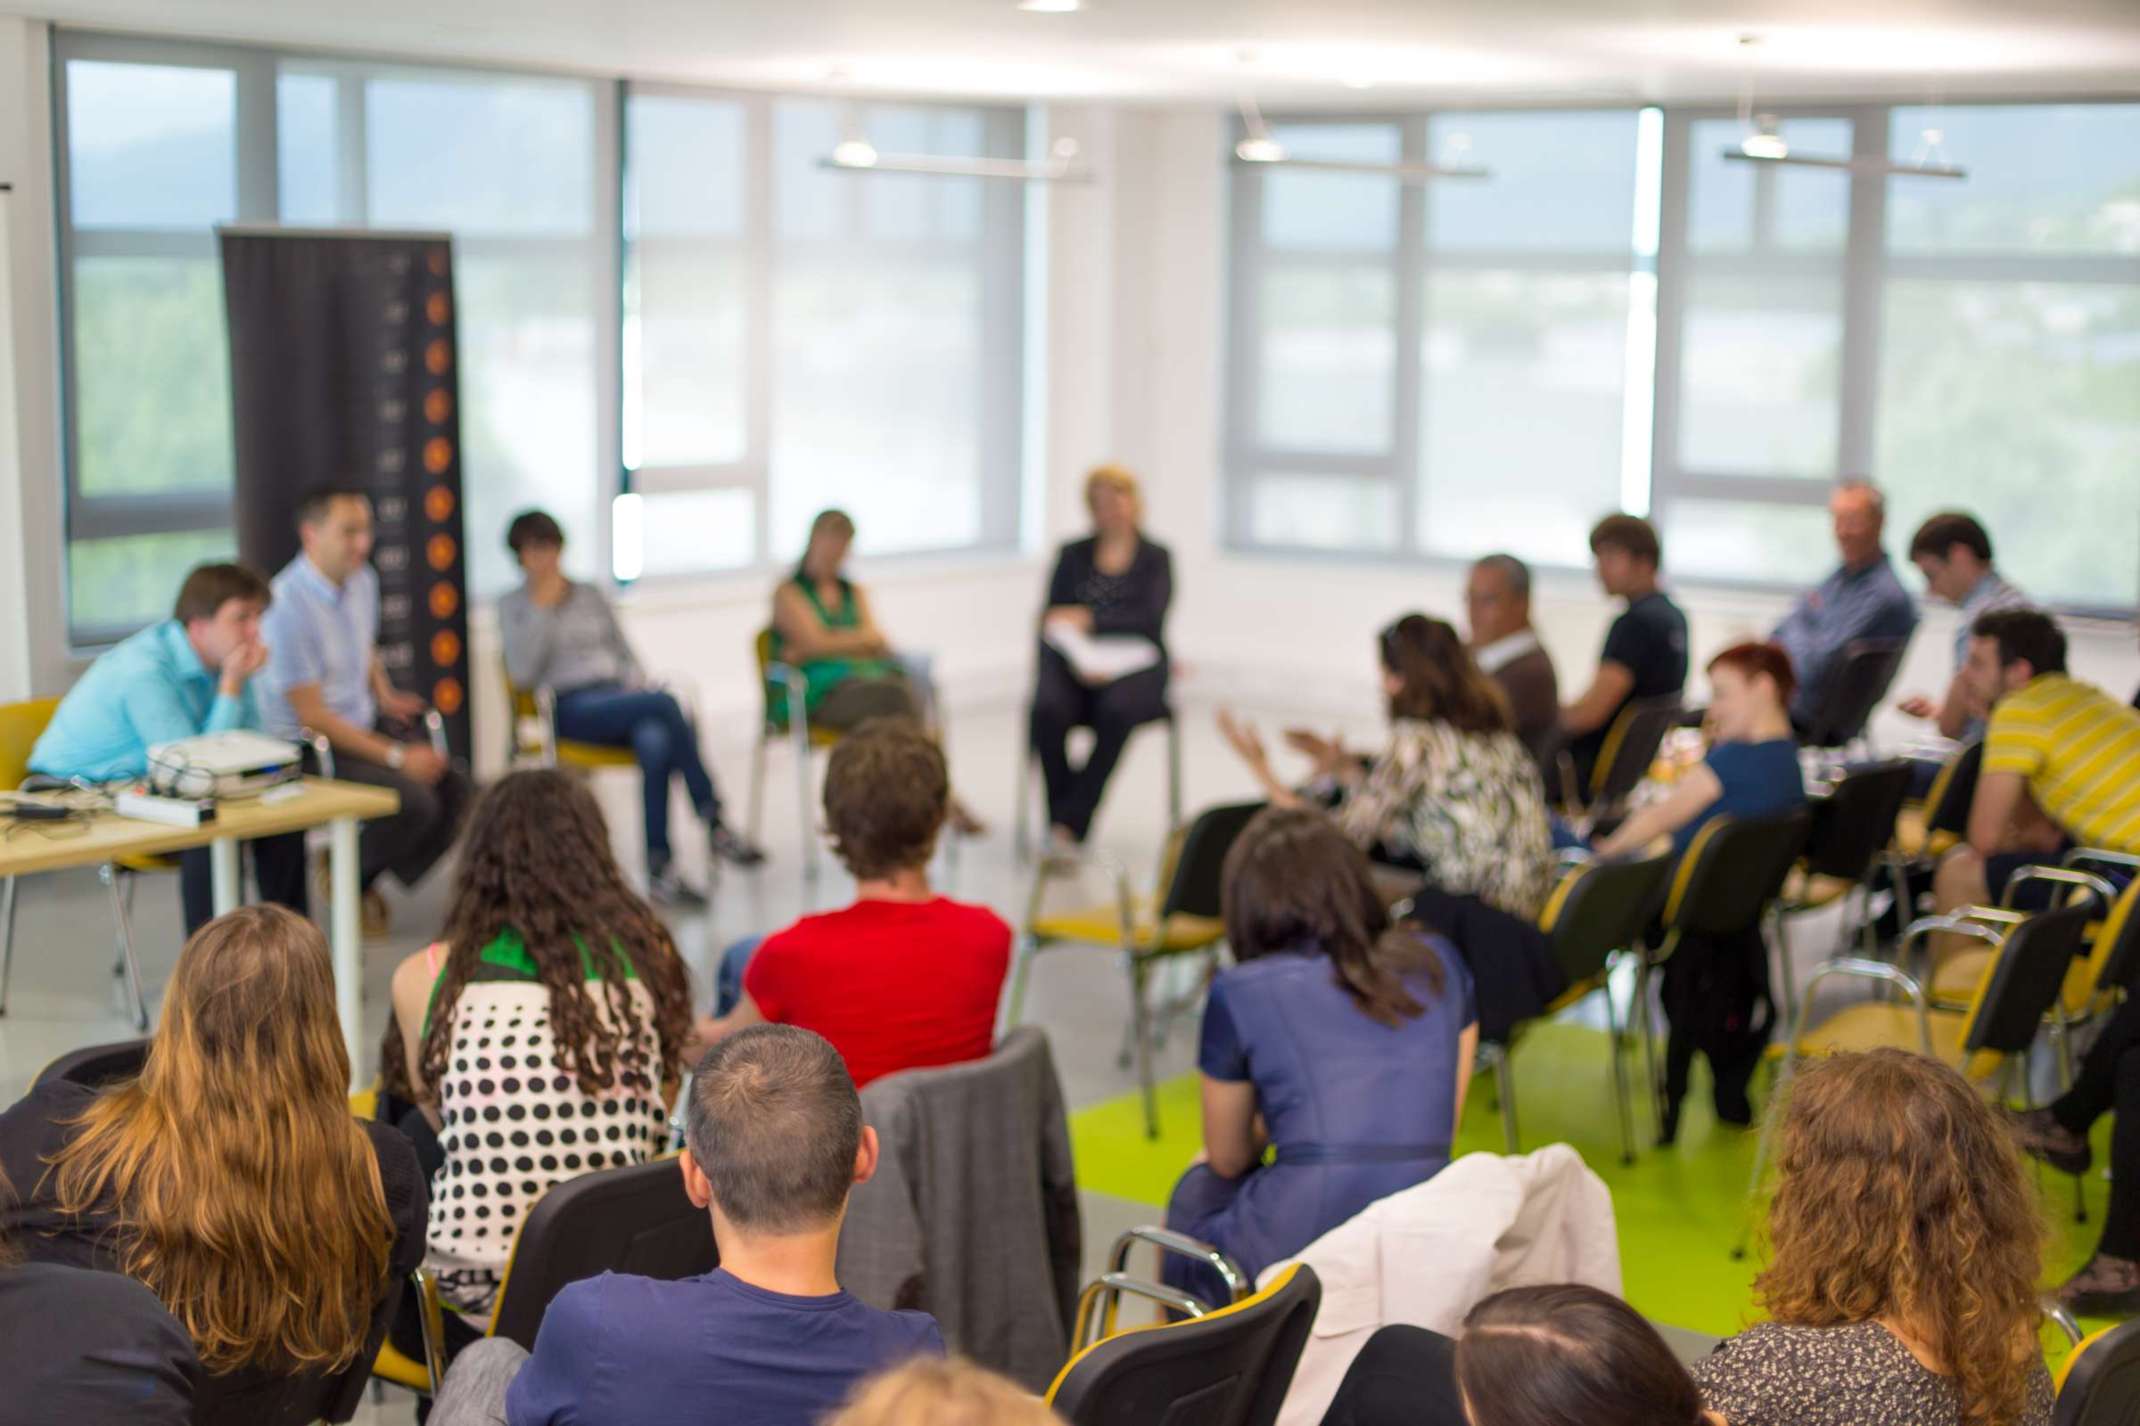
{"points": [[853, 153], [1260, 150], [858, 155], [1051, 7], [1258, 147], [1764, 142]]}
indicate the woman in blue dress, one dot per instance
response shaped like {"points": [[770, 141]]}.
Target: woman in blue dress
{"points": [[1337, 1038]]}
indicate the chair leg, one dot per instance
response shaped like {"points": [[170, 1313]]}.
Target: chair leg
{"points": [[1497, 1058], [1783, 961], [7, 937], [1650, 1076], [756, 818], [1618, 1049], [1021, 834], [800, 730], [1140, 1027], [122, 912], [1173, 773], [2062, 1041], [1021, 966]]}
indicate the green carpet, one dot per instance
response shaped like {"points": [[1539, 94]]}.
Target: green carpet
{"points": [[1678, 1208]]}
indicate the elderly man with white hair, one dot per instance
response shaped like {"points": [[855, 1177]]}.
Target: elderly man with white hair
{"points": [[1863, 599]]}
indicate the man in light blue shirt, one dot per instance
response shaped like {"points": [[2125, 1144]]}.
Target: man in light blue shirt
{"points": [[1863, 599], [1953, 552], [191, 674], [324, 674]]}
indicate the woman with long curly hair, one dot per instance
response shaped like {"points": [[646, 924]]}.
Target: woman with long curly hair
{"points": [[230, 1178], [1905, 1247], [543, 1035]]}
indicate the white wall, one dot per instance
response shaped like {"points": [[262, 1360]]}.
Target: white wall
{"points": [[29, 492]]}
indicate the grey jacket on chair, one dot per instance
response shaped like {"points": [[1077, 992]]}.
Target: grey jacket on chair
{"points": [[973, 1213]]}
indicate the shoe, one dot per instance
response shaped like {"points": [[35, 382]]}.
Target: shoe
{"points": [[963, 822], [373, 917], [2043, 1137], [2106, 1287], [666, 886], [732, 846]]}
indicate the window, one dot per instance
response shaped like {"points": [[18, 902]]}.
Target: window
{"points": [[797, 338], [1443, 368]]}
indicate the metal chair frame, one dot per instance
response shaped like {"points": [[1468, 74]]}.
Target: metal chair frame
{"points": [[1100, 1302]]}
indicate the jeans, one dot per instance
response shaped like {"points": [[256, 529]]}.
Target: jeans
{"points": [[652, 724], [728, 979], [473, 1393]]}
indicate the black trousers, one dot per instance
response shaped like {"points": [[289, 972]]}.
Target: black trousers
{"points": [[1114, 710], [278, 869], [2109, 1082], [410, 842]]}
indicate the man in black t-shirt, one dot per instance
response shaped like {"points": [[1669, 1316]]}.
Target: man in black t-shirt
{"points": [[1645, 654]]}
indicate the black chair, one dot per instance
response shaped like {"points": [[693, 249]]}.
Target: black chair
{"points": [[1624, 759], [1925, 834], [1852, 829], [2100, 1382], [1185, 920], [1230, 1367], [1852, 690], [97, 1065]]}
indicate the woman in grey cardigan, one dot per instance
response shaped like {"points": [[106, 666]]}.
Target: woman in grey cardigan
{"points": [[562, 635]]}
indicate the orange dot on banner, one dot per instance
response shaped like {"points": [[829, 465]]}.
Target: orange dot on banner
{"points": [[437, 407], [446, 696], [436, 307], [438, 355], [445, 648], [444, 600], [438, 454], [438, 504], [440, 549], [437, 262]]}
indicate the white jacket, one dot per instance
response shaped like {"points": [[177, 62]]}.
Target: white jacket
{"points": [[1427, 1255]]}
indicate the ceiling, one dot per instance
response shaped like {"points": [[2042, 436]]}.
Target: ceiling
{"points": [[1339, 54]]}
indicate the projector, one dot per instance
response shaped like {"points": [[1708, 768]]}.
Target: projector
{"points": [[222, 765]]}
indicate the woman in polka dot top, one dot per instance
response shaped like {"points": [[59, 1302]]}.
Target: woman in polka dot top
{"points": [[543, 1035]]}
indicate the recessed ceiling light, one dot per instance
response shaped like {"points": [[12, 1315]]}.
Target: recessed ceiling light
{"points": [[1051, 7]]}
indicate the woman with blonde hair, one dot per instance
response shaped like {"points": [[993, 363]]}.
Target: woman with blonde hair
{"points": [[941, 1391], [1115, 584], [230, 1178], [1905, 1249]]}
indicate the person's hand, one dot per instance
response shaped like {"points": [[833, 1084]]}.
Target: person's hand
{"points": [[1075, 616], [241, 663], [422, 762], [1325, 753], [400, 703], [1245, 741], [1918, 706]]}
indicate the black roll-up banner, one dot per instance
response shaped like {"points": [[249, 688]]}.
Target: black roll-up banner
{"points": [[344, 372]]}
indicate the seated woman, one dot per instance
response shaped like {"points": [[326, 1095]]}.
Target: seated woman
{"points": [[1752, 766], [1118, 583], [231, 1180], [1339, 1038], [823, 625], [1455, 795], [1906, 1241], [562, 635], [554, 1012]]}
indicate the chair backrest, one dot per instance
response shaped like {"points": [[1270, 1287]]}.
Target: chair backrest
{"points": [[1854, 688], [2024, 980], [1229, 1368], [1194, 887], [2099, 1384], [1732, 871], [1630, 747], [2115, 957], [1856, 821], [635, 1219], [1599, 908], [98, 1065], [21, 725], [1947, 804]]}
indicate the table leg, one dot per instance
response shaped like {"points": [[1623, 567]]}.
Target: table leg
{"points": [[345, 935], [223, 868]]}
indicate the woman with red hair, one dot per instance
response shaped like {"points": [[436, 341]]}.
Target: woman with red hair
{"points": [[1752, 766]]}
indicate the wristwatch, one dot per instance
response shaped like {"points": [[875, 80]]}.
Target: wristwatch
{"points": [[396, 755]]}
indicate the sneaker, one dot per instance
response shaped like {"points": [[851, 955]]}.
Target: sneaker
{"points": [[2043, 1137], [667, 887], [2106, 1287], [732, 846]]}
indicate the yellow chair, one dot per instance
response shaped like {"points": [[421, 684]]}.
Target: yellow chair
{"points": [[21, 725], [534, 735], [792, 723], [2098, 1384], [1184, 919]]}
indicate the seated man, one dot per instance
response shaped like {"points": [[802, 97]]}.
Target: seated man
{"points": [[324, 674], [775, 1143], [2061, 761], [191, 674], [1645, 654], [1497, 604], [1953, 553], [903, 978], [2108, 1284], [1862, 600]]}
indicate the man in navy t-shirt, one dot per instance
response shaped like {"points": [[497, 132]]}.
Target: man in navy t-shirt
{"points": [[1645, 654], [776, 1141]]}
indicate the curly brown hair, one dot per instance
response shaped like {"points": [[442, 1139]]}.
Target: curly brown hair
{"points": [[1900, 1195], [536, 860], [887, 792]]}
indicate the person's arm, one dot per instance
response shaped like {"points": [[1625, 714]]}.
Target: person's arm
{"points": [[394, 702], [410, 992], [1467, 1053], [1231, 1142], [1959, 708], [528, 635], [1246, 742], [627, 656], [806, 635], [1150, 592], [866, 623], [155, 711], [1609, 688], [1999, 798], [552, 1387], [711, 1030], [1696, 792], [309, 704]]}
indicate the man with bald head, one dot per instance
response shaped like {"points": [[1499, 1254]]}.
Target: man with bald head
{"points": [[1497, 606], [1863, 599]]}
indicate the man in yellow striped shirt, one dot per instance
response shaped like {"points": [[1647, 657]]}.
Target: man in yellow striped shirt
{"points": [[2061, 760]]}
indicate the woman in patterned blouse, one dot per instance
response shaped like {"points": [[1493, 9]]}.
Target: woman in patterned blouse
{"points": [[1454, 795]]}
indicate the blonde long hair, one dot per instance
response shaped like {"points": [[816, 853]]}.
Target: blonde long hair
{"points": [[248, 1198]]}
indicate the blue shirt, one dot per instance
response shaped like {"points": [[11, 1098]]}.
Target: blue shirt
{"points": [[1864, 603], [320, 634], [1760, 780], [1991, 592], [152, 688], [621, 1350]]}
